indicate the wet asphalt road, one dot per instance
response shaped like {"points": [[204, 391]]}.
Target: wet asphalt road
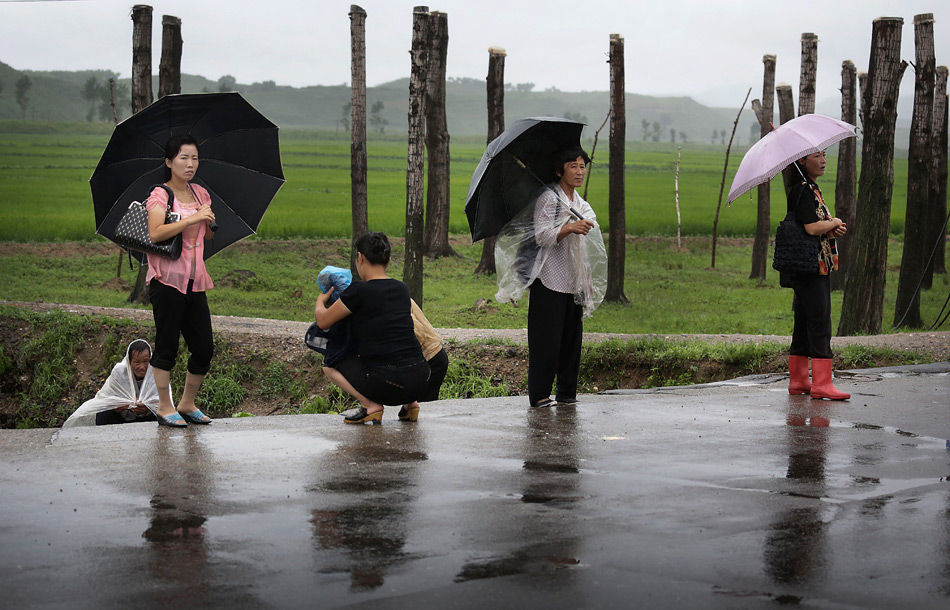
{"points": [[729, 496]]}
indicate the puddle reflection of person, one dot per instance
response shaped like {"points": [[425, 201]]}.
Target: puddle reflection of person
{"points": [[794, 550], [364, 509], [550, 476], [176, 533]]}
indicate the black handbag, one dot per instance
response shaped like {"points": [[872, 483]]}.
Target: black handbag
{"points": [[132, 230], [796, 252]]}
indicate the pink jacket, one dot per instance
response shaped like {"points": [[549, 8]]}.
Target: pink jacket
{"points": [[191, 263]]}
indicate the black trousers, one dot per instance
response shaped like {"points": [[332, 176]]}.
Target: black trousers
{"points": [[811, 335], [438, 367], [388, 383], [185, 315], [555, 332]]}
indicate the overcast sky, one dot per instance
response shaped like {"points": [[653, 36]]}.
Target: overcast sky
{"points": [[708, 49]]}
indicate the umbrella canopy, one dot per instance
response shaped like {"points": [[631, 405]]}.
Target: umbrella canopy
{"points": [[239, 162], [500, 187], [800, 137]]}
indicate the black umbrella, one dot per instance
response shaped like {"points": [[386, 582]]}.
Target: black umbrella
{"points": [[239, 162], [513, 166]]}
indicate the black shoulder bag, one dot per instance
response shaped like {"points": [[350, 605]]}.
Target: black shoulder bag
{"points": [[132, 231], [796, 252]]}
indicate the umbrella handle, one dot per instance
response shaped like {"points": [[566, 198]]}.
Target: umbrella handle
{"points": [[569, 207]]}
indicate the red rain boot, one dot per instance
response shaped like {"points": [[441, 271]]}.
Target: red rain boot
{"points": [[798, 381], [821, 386]]}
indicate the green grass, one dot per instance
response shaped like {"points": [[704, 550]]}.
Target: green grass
{"points": [[45, 196], [670, 291]]}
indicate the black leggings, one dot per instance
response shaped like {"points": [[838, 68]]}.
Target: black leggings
{"points": [[811, 335], [555, 332], [186, 315]]}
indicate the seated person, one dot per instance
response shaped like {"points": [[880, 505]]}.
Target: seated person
{"points": [[435, 355], [388, 368], [128, 395]]}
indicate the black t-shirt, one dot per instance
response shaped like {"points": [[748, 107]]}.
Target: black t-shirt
{"points": [[382, 322], [802, 197]]}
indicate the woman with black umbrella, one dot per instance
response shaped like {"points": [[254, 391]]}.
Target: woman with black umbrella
{"points": [[177, 286], [555, 319], [811, 336]]}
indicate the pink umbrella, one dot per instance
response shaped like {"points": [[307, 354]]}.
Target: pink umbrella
{"points": [[800, 137]]}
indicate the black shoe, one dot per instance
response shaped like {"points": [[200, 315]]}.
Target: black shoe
{"points": [[566, 401], [546, 402]]}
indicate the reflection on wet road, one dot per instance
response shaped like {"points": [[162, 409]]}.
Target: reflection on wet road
{"points": [[723, 497]]}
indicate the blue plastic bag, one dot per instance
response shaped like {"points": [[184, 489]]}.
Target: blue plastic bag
{"points": [[337, 278]]}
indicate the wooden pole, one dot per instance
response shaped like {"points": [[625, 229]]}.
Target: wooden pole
{"points": [[616, 197], [938, 182], [916, 223], [415, 206], [722, 183], [846, 185], [786, 112], [763, 221], [495, 94], [358, 167], [141, 57], [863, 90], [593, 150], [676, 197], [862, 308], [169, 68], [141, 97], [806, 84], [437, 141]]}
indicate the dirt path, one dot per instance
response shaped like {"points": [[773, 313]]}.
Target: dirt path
{"points": [[936, 344]]}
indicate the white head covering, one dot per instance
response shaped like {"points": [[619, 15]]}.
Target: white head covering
{"points": [[119, 390]]}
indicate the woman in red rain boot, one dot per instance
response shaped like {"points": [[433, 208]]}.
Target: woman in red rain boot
{"points": [[811, 336]]}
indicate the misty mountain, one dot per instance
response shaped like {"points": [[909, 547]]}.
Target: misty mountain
{"points": [[57, 96]]}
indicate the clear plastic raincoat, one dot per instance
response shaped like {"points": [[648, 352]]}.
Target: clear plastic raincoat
{"points": [[119, 390], [525, 245]]}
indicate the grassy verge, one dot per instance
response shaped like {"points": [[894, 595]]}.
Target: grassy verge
{"points": [[52, 362], [670, 290]]}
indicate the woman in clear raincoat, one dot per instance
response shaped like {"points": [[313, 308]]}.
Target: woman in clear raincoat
{"points": [[128, 395], [563, 261]]}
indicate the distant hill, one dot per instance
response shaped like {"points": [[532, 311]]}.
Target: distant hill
{"points": [[57, 96]]}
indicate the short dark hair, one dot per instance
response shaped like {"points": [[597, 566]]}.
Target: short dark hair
{"points": [[139, 345], [374, 246], [566, 155], [173, 146]]}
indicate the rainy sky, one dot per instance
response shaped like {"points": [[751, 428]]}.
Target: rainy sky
{"points": [[710, 50]]}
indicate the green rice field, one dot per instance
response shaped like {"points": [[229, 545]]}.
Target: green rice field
{"points": [[44, 189]]}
